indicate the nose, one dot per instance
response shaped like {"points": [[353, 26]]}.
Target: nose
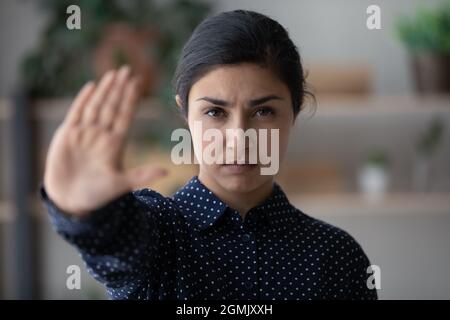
{"points": [[239, 139], [237, 124]]}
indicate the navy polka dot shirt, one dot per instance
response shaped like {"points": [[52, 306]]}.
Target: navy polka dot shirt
{"points": [[143, 245]]}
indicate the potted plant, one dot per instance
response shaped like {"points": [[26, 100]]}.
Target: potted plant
{"points": [[427, 38], [373, 177], [147, 35], [426, 147]]}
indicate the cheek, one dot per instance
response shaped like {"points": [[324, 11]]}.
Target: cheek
{"points": [[209, 143], [284, 130], [280, 144], [196, 135]]}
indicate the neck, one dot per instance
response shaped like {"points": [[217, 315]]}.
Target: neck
{"points": [[242, 202]]}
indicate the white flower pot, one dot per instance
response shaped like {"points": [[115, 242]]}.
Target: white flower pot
{"points": [[373, 182]]}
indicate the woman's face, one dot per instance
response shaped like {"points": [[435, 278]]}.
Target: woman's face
{"points": [[244, 96]]}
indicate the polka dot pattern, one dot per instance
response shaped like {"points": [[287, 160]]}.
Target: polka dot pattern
{"points": [[193, 246]]}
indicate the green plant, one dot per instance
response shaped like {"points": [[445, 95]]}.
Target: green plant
{"points": [[427, 31], [378, 158], [430, 139], [63, 59]]}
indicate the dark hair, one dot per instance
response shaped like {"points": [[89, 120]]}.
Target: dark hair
{"points": [[236, 37]]}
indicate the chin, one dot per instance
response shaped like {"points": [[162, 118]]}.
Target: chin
{"points": [[242, 183]]}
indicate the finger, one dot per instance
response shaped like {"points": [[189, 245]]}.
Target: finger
{"points": [[76, 109], [127, 108], [109, 109], [92, 109], [144, 175]]}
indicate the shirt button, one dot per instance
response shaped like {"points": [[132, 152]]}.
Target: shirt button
{"points": [[246, 237]]}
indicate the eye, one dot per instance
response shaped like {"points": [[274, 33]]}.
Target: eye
{"points": [[264, 112], [215, 112]]}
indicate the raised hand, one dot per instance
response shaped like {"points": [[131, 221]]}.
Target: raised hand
{"points": [[84, 166]]}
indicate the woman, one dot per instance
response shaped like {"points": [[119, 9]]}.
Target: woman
{"points": [[230, 232]]}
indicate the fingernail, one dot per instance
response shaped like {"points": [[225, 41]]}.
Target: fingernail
{"points": [[110, 73], [125, 67]]}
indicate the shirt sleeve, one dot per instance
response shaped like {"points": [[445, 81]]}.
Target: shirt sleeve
{"points": [[359, 282], [118, 241]]}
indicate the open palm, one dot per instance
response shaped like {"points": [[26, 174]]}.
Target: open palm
{"points": [[84, 166]]}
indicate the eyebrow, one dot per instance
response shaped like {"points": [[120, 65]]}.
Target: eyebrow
{"points": [[252, 103]]}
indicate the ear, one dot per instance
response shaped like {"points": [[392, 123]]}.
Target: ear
{"points": [[180, 106], [178, 100]]}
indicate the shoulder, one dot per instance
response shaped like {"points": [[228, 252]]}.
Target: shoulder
{"points": [[343, 256], [330, 236], [156, 203], [149, 196]]}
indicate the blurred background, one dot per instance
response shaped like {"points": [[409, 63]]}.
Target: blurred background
{"points": [[372, 157]]}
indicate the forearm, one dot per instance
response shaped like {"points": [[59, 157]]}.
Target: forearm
{"points": [[115, 240]]}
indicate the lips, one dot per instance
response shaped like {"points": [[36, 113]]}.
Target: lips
{"points": [[239, 168]]}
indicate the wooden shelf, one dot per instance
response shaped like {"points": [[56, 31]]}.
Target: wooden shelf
{"points": [[5, 109], [327, 106], [371, 105], [7, 212], [355, 204], [56, 109]]}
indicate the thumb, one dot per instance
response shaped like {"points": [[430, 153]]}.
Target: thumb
{"points": [[144, 175]]}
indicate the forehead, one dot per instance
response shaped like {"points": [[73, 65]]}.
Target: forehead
{"points": [[244, 81]]}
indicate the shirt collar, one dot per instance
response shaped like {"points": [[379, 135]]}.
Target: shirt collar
{"points": [[203, 208], [198, 204]]}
